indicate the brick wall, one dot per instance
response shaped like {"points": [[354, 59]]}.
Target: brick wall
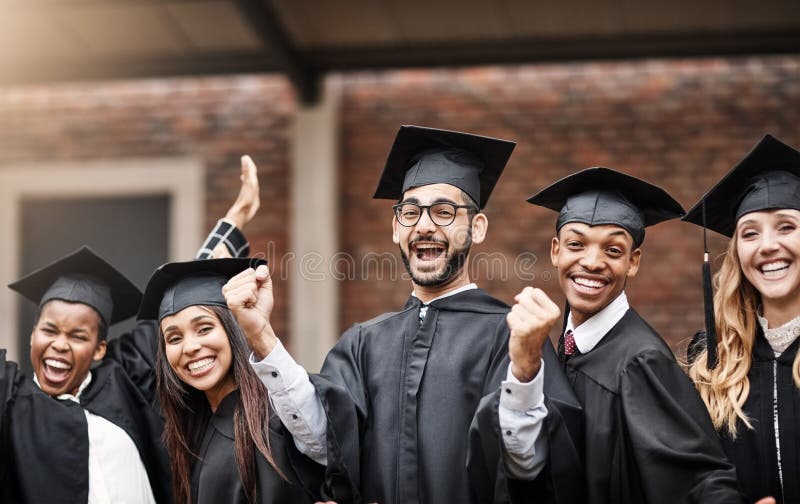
{"points": [[214, 119], [679, 123]]}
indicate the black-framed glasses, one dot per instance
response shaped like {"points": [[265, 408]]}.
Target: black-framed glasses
{"points": [[442, 214]]}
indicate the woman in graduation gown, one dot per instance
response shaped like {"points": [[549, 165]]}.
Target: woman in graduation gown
{"points": [[748, 372], [225, 447]]}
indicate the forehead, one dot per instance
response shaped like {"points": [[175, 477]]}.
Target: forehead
{"points": [[768, 215], [65, 312], [432, 192], [599, 232], [187, 315]]}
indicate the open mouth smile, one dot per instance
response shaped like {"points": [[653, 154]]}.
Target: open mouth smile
{"points": [[201, 367], [428, 251], [590, 286], [56, 370], [774, 269]]}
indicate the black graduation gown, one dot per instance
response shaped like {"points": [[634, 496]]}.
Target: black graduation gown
{"points": [[45, 441], [215, 475], [753, 451], [648, 436], [400, 396]]}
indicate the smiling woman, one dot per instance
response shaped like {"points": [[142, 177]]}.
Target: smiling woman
{"points": [[748, 370], [223, 445], [88, 410]]}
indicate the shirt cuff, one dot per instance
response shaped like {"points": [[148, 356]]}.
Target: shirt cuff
{"points": [[278, 370], [522, 397]]}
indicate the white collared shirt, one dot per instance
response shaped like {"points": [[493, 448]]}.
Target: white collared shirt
{"points": [[589, 334], [116, 470]]}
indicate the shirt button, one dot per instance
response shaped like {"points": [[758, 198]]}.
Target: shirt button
{"points": [[274, 374], [294, 417], [508, 433], [508, 391]]}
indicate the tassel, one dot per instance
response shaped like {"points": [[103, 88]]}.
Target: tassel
{"points": [[708, 303]]}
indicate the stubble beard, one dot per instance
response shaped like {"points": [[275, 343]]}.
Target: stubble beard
{"points": [[453, 267]]}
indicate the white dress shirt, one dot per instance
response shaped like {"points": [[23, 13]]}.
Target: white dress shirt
{"points": [[294, 399], [116, 472], [589, 334]]}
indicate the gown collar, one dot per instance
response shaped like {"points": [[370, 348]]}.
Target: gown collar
{"points": [[69, 397], [222, 419]]}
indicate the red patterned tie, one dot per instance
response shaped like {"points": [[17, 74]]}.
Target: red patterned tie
{"points": [[569, 344]]}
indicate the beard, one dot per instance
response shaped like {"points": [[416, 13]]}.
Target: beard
{"points": [[454, 265]]}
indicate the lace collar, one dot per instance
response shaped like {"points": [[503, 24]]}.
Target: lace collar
{"points": [[779, 338]]}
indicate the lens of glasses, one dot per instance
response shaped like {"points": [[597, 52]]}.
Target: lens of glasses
{"points": [[442, 214]]}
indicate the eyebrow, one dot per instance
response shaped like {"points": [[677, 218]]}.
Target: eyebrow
{"points": [[434, 202], [615, 233]]}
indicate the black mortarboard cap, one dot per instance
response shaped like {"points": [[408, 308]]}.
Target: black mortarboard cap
{"points": [[766, 178], [83, 277], [597, 196], [178, 285], [422, 156]]}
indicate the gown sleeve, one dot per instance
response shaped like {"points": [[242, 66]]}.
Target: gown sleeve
{"points": [[135, 351], [560, 480], [10, 378], [346, 411], [674, 445]]}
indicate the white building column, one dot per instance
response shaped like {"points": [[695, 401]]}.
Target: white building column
{"points": [[314, 232]]}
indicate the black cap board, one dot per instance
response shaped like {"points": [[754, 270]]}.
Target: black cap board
{"points": [[83, 277], [178, 285], [423, 156], [597, 196], [766, 178]]}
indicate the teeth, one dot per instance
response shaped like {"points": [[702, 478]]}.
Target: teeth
{"points": [[595, 284], [57, 364], [200, 365], [773, 266], [424, 246]]}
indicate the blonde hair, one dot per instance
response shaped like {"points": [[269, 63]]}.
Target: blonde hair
{"points": [[725, 388]]}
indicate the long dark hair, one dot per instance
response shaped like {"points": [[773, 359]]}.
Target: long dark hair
{"points": [[182, 404]]}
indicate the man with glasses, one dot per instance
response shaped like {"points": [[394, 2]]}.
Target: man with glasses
{"points": [[391, 411]]}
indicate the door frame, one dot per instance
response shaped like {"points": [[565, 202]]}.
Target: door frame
{"points": [[181, 178]]}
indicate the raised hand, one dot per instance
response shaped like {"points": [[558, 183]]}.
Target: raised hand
{"points": [[249, 199], [250, 299], [530, 321]]}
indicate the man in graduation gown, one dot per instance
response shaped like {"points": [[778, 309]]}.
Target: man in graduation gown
{"points": [[390, 412], [85, 428], [648, 437]]}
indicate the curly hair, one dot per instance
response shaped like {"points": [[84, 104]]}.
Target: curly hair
{"points": [[725, 388]]}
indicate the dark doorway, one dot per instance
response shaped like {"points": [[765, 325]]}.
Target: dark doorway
{"points": [[130, 232]]}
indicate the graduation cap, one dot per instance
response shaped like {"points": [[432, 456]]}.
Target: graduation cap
{"points": [[766, 178], [178, 285], [597, 196], [423, 156], [83, 277]]}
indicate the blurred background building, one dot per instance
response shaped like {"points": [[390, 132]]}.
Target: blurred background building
{"points": [[122, 123]]}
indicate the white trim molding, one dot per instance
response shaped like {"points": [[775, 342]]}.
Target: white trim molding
{"points": [[182, 179]]}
